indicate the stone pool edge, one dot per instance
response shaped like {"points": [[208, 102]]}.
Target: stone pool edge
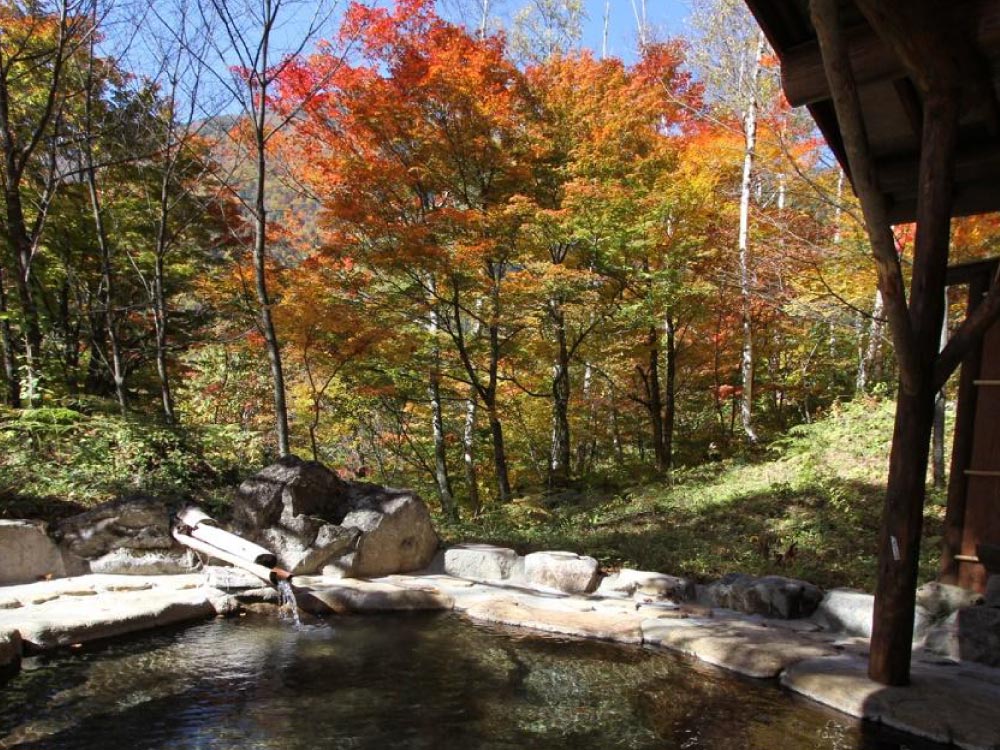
{"points": [[948, 702]]}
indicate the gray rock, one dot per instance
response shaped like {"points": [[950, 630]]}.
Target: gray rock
{"points": [[129, 536], [771, 596], [369, 596], [969, 634], [941, 599], [564, 571], [396, 534], [850, 611], [292, 492], [225, 605], [992, 595], [483, 562], [304, 554], [316, 522], [230, 579], [10, 651], [744, 647], [146, 562], [28, 553], [648, 585], [955, 705]]}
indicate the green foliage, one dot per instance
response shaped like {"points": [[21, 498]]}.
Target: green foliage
{"points": [[821, 491], [59, 459]]}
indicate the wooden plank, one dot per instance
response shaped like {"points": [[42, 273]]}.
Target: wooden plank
{"points": [[969, 272], [982, 473], [986, 383]]}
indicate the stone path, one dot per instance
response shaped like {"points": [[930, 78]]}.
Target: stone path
{"points": [[949, 701]]}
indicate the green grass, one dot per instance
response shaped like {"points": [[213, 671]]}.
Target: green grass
{"points": [[820, 488]]}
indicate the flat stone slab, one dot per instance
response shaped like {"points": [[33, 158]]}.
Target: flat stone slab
{"points": [[733, 644], [65, 611], [582, 622], [948, 703], [348, 595]]}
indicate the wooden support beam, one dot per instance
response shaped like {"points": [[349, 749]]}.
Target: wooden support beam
{"points": [[825, 20], [803, 77]]}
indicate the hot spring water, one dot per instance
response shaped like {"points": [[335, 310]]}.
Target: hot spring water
{"points": [[417, 682]]}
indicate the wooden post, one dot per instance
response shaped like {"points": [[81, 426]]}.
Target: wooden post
{"points": [[902, 520], [916, 327]]}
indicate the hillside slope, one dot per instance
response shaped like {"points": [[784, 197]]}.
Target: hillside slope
{"points": [[809, 509]]}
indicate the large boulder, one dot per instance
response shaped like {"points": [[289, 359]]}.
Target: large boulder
{"points": [[10, 651], [770, 596], [941, 599], [969, 634], [317, 523], [992, 594], [129, 536], [28, 553], [851, 612]]}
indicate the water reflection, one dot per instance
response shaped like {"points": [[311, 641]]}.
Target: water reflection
{"points": [[409, 682]]}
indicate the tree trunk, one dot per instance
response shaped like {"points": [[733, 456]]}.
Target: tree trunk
{"points": [[670, 391], [867, 366], [940, 405], [159, 295], [441, 477], [11, 379], [103, 244], [162, 344], [559, 455], [749, 154], [108, 286], [20, 243], [499, 455], [469, 451], [654, 405], [899, 538], [260, 277]]}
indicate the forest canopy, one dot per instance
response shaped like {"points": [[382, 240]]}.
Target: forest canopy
{"points": [[441, 247]]}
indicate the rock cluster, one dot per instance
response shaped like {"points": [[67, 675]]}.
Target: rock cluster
{"points": [[316, 522], [130, 536]]}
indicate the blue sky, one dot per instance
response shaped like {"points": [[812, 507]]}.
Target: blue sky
{"points": [[667, 17]]}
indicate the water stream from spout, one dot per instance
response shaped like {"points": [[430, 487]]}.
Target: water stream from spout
{"points": [[288, 609]]}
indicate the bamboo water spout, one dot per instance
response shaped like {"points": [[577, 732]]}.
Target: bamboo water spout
{"points": [[198, 531]]}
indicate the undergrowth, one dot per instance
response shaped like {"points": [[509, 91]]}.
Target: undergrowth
{"points": [[809, 509], [59, 460]]}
